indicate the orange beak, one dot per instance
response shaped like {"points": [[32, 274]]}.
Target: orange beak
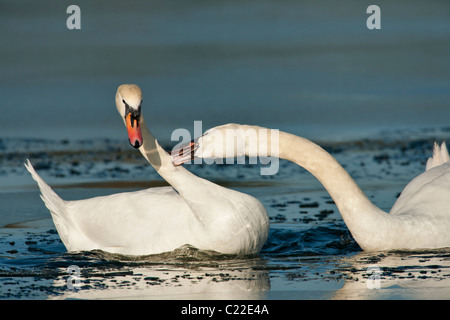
{"points": [[134, 131]]}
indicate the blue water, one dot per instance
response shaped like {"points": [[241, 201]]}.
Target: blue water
{"points": [[310, 254], [376, 99], [309, 67]]}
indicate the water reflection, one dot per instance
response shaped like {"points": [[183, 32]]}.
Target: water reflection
{"points": [[185, 273], [35, 266], [397, 275]]}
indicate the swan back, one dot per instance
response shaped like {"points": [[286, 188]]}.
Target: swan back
{"points": [[426, 195]]}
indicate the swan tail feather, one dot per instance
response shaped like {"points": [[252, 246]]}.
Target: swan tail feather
{"points": [[52, 201], [440, 156]]}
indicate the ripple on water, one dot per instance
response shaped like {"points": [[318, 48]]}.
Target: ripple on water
{"points": [[308, 242]]}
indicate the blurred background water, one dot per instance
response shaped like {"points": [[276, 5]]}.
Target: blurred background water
{"points": [[312, 67], [376, 99]]}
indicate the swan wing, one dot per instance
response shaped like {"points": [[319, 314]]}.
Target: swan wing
{"points": [[440, 156], [130, 222], [427, 195]]}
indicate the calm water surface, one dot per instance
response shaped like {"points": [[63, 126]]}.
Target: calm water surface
{"points": [[376, 100]]}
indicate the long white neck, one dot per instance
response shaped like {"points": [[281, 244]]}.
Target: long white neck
{"points": [[364, 220], [341, 187], [221, 215], [201, 195], [178, 177]]}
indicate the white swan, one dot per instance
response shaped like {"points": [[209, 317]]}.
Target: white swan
{"points": [[420, 218], [199, 213]]}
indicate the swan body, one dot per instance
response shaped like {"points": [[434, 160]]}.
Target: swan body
{"points": [[420, 218], [192, 211]]}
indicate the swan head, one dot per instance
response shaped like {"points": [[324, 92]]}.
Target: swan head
{"points": [[128, 103], [225, 141]]}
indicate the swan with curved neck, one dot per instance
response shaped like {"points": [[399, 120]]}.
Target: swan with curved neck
{"points": [[192, 211], [420, 218]]}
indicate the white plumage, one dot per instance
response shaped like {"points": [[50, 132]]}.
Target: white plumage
{"points": [[420, 218], [193, 211]]}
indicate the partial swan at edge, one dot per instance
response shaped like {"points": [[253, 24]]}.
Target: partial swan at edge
{"points": [[420, 217]]}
